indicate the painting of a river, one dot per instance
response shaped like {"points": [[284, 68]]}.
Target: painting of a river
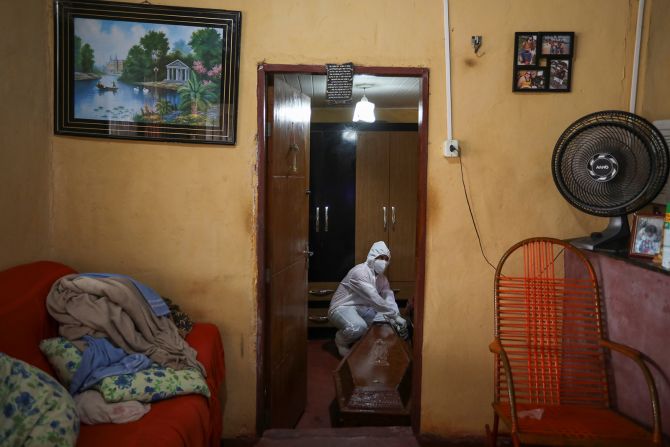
{"points": [[120, 105], [143, 71]]}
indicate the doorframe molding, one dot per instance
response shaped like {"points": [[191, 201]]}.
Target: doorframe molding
{"points": [[420, 256]]}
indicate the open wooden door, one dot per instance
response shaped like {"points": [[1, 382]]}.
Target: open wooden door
{"points": [[287, 254]]}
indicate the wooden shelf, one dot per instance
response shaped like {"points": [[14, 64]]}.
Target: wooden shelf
{"points": [[639, 262]]}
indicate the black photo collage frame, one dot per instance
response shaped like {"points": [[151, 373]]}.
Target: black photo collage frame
{"points": [[543, 61]]}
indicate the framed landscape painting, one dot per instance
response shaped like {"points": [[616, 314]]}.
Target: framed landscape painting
{"points": [[148, 72]]}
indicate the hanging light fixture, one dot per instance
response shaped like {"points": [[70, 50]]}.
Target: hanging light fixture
{"points": [[365, 110]]}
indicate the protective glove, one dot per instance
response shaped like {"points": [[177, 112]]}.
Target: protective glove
{"points": [[401, 326]]}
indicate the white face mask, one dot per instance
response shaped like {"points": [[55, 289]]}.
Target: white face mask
{"points": [[379, 266]]}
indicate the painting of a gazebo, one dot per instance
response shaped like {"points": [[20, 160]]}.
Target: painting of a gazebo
{"points": [[177, 71], [169, 80]]}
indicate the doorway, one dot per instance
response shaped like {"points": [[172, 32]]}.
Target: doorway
{"points": [[273, 370]]}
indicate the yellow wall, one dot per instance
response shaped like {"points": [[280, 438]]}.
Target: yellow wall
{"points": [[507, 141], [183, 217], [24, 133]]}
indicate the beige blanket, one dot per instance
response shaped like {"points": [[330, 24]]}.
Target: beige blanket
{"points": [[114, 308]]}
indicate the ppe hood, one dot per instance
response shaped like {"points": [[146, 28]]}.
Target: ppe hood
{"points": [[377, 249]]}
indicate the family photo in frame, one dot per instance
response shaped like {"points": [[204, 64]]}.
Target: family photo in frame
{"points": [[543, 61], [148, 72], [553, 44], [530, 79], [646, 235]]}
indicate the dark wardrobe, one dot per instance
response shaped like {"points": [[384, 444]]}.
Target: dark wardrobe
{"points": [[363, 183]]}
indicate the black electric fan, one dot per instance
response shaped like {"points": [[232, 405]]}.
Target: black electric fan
{"points": [[609, 164]]}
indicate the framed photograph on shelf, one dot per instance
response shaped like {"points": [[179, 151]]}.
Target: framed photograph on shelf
{"points": [[646, 235], [543, 61], [146, 72]]}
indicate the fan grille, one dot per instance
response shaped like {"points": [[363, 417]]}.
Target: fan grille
{"points": [[629, 148]]}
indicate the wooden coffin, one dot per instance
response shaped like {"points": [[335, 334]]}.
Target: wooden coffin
{"points": [[373, 383]]}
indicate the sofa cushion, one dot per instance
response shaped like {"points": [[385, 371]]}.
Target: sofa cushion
{"points": [[35, 409], [63, 356], [150, 385]]}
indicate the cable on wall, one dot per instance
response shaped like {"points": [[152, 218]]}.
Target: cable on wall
{"points": [[472, 216], [447, 61]]}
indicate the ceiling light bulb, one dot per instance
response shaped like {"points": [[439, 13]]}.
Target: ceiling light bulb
{"points": [[364, 111]]}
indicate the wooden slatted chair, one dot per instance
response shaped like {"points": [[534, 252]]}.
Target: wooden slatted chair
{"points": [[551, 382]]}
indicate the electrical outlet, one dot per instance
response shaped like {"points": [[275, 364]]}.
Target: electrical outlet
{"points": [[450, 148]]}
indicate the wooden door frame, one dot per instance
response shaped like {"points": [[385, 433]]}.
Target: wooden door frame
{"points": [[264, 70]]}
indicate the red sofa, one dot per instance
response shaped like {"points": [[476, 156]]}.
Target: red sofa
{"points": [[190, 420]]}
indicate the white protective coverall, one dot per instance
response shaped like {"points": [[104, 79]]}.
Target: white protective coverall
{"points": [[364, 296]]}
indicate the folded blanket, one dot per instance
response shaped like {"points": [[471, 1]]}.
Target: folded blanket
{"points": [[153, 299], [114, 308]]}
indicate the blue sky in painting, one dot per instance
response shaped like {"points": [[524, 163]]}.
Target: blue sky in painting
{"points": [[112, 38]]}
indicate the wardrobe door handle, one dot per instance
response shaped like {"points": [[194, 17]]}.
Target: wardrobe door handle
{"points": [[325, 215], [385, 223], [393, 216], [316, 224]]}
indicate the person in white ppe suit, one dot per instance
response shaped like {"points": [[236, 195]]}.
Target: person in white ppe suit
{"points": [[363, 297]]}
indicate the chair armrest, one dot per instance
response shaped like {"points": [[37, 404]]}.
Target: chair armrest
{"points": [[638, 358], [496, 347]]}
